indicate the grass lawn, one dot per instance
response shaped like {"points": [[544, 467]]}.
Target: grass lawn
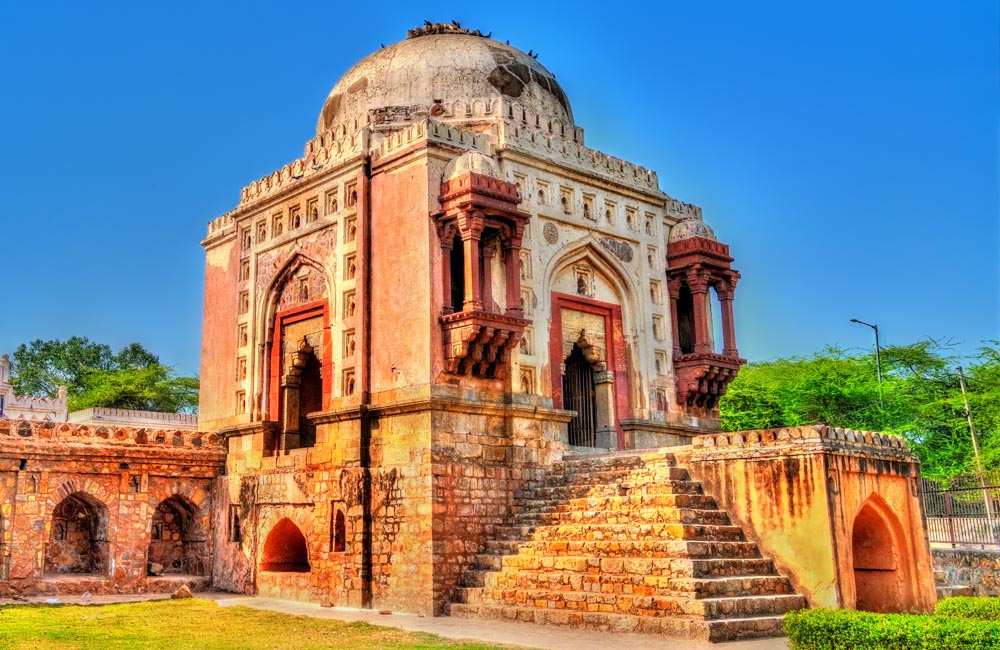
{"points": [[195, 625]]}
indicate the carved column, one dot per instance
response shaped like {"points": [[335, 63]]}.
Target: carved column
{"points": [[728, 323], [674, 291], [512, 264], [487, 252], [447, 235], [470, 225]]}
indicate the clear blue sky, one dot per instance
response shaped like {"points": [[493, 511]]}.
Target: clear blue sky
{"points": [[847, 152]]}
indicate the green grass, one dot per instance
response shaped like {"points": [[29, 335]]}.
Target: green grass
{"points": [[195, 625]]}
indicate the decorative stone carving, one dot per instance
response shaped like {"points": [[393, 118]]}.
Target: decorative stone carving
{"points": [[618, 248], [550, 233]]}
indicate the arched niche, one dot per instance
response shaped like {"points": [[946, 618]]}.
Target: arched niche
{"points": [[285, 549], [880, 578], [177, 542], [297, 366], [78, 538]]}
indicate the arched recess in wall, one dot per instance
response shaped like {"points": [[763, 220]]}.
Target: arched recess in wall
{"points": [[592, 306], [177, 542], [295, 375], [285, 549], [78, 537], [882, 580]]}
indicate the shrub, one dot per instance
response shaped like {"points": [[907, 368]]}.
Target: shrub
{"points": [[823, 629], [976, 607]]}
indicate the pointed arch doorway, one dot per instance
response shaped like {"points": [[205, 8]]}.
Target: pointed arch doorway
{"points": [[579, 395], [589, 369]]}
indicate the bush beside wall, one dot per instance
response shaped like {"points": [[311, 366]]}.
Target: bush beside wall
{"points": [[822, 629]]}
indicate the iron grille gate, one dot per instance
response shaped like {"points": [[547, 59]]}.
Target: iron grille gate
{"points": [[578, 395]]}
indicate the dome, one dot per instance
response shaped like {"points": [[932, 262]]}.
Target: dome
{"points": [[407, 79], [472, 161], [688, 228]]}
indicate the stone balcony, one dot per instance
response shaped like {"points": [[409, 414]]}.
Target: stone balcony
{"points": [[702, 378], [479, 342]]}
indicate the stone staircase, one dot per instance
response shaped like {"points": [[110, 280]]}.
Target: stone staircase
{"points": [[626, 542]]}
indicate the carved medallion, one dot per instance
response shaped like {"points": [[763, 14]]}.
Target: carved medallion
{"points": [[550, 233]]}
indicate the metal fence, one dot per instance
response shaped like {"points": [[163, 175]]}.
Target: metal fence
{"points": [[965, 511]]}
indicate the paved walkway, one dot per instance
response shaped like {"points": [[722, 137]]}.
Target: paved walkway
{"points": [[546, 637]]}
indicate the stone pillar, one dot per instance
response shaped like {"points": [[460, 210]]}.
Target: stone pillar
{"points": [[674, 291], [487, 252], [290, 413], [604, 407], [699, 296], [471, 227], [447, 243], [728, 327], [512, 264]]}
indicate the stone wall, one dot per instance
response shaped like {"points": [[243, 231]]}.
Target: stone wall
{"points": [[839, 511], [83, 506], [974, 568]]}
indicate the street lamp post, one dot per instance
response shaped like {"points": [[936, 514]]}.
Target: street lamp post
{"points": [[878, 360]]}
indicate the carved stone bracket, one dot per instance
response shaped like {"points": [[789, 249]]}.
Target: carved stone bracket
{"points": [[479, 343], [702, 379]]}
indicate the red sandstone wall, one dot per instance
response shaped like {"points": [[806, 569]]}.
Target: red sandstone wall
{"points": [[216, 399], [122, 474], [401, 304]]}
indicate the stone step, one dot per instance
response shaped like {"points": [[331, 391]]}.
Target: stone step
{"points": [[615, 476], [665, 548], [745, 606], [628, 532], [552, 584], [692, 628], [587, 462], [627, 516], [644, 567], [474, 577], [551, 493], [468, 595], [633, 499], [643, 604]]}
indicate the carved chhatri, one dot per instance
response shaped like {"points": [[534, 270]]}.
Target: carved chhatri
{"points": [[479, 220]]}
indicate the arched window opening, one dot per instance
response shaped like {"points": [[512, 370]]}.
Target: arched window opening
{"points": [[457, 260], [338, 532], [579, 396], [877, 579], [176, 545], [78, 541], [685, 320], [285, 549]]}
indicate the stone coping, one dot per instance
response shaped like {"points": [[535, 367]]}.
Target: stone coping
{"points": [[819, 432], [67, 432]]}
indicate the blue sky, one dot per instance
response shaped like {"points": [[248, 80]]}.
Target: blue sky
{"points": [[848, 152]]}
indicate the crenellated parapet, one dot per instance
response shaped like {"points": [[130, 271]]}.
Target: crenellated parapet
{"points": [[546, 138], [66, 432], [848, 441], [389, 142], [682, 210]]}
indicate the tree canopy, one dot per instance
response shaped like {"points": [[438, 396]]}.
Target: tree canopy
{"points": [[95, 375], [920, 399]]}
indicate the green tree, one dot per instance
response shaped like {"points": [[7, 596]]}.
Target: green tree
{"points": [[94, 375], [919, 399], [151, 388]]}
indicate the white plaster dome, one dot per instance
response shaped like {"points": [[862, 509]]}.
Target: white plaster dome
{"points": [[405, 80], [688, 228], [471, 161]]}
